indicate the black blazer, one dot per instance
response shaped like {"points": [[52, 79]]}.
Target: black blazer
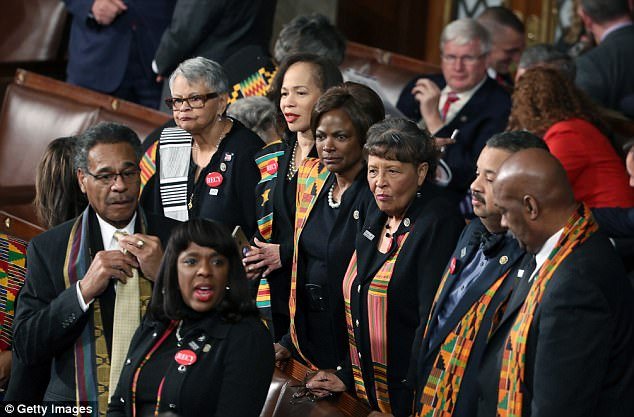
{"points": [[434, 226], [485, 114], [231, 379], [580, 346], [49, 318], [340, 246], [426, 349], [234, 203]]}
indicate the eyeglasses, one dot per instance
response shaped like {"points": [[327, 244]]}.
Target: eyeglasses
{"points": [[129, 176], [194, 102], [465, 59]]}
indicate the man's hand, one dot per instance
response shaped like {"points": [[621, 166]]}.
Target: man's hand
{"points": [[106, 11], [147, 250], [324, 383], [427, 93], [263, 255], [107, 265]]}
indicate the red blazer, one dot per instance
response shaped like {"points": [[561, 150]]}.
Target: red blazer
{"points": [[596, 172]]}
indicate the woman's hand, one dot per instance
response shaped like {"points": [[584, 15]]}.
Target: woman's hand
{"points": [[324, 383], [281, 355], [263, 256]]}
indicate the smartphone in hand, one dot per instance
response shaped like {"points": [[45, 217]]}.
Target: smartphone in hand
{"points": [[241, 240]]}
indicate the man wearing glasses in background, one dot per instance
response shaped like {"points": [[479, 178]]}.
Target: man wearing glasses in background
{"points": [[89, 279], [462, 98]]}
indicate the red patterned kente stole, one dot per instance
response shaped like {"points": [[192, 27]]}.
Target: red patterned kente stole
{"points": [[377, 305], [12, 273], [311, 178], [579, 227], [440, 392]]}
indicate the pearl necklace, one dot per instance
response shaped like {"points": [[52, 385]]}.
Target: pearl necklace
{"points": [[292, 168], [331, 201]]}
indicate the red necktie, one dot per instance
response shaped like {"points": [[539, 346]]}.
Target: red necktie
{"points": [[452, 97]]}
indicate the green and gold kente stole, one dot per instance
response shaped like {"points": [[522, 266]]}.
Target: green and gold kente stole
{"points": [[12, 273], [377, 305], [268, 163], [92, 362], [256, 84], [440, 392], [577, 230], [311, 178]]}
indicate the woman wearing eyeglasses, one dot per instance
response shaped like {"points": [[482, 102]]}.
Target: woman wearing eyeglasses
{"points": [[204, 167]]}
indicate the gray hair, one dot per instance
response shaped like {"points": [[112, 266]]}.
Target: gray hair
{"points": [[548, 56], [105, 133], [256, 112], [197, 69], [312, 34], [463, 31]]}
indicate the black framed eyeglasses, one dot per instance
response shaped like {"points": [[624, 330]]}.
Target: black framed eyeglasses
{"points": [[195, 102], [129, 176]]}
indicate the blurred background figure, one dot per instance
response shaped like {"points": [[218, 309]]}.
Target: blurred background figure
{"points": [[508, 40], [550, 106], [202, 316], [57, 194], [258, 114], [545, 55]]}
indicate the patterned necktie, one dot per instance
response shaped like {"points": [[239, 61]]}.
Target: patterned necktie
{"points": [[452, 97], [127, 309]]}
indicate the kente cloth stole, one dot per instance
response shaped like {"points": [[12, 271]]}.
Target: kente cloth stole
{"points": [[377, 306], [440, 392], [175, 153], [578, 229], [257, 84], [92, 362], [12, 273], [311, 178], [148, 165], [268, 165]]}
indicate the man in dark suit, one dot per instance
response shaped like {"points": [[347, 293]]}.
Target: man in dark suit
{"points": [[565, 344], [66, 311], [478, 278], [605, 72], [463, 98], [112, 43]]}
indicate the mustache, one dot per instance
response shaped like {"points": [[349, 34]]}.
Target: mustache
{"points": [[477, 196]]}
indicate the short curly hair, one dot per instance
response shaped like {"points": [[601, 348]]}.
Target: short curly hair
{"points": [[543, 97]]}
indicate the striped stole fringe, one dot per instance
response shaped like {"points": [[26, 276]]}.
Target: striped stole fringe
{"points": [[311, 178], [12, 273], [377, 307], [440, 392], [92, 362], [148, 165], [176, 149], [577, 230]]}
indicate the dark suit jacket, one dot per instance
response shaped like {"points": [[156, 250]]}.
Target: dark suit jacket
{"points": [[98, 55], [49, 318], [426, 349], [434, 229], [605, 72], [485, 114], [231, 379], [214, 29], [580, 346]]}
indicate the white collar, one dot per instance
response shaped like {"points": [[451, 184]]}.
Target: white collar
{"points": [[464, 96], [107, 231], [544, 252]]}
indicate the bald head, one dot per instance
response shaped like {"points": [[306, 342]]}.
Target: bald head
{"points": [[533, 193]]}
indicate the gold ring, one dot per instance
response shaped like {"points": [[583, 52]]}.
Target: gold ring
{"points": [[140, 244]]}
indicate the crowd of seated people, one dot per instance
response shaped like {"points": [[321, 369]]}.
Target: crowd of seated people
{"points": [[501, 292]]}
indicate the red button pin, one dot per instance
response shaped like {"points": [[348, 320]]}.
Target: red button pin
{"points": [[213, 179], [271, 167], [452, 265], [185, 357]]}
